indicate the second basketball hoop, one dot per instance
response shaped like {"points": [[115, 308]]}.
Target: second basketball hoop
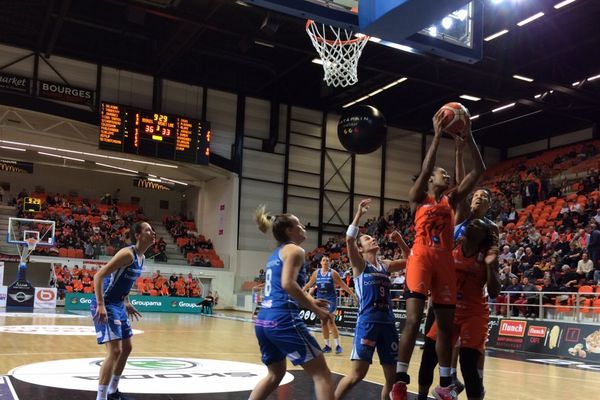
{"points": [[339, 51]]}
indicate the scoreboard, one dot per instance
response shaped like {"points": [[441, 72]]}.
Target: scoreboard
{"points": [[145, 133]]}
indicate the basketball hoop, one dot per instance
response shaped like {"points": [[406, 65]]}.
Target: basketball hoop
{"points": [[339, 53], [31, 243]]}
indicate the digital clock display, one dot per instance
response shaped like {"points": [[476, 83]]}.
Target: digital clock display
{"points": [[145, 133]]}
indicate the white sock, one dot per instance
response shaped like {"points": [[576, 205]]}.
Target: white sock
{"points": [[401, 367], [326, 342], [445, 371], [453, 371], [102, 392], [114, 383], [337, 341]]}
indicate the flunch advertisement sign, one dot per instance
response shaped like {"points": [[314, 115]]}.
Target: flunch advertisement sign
{"points": [[509, 327]]}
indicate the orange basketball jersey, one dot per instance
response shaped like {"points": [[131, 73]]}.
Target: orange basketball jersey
{"points": [[434, 224], [471, 277]]}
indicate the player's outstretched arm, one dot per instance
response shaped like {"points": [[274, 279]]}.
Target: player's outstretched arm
{"points": [[356, 260], [467, 185]]}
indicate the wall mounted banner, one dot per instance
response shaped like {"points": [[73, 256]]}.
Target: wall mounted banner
{"points": [[66, 93], [190, 305], [148, 184], [20, 167], [567, 339], [15, 83], [1, 273]]}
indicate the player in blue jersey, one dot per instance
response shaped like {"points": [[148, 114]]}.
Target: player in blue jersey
{"points": [[326, 280], [111, 307], [279, 329], [375, 328]]}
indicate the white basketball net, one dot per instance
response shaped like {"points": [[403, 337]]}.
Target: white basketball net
{"points": [[339, 54]]}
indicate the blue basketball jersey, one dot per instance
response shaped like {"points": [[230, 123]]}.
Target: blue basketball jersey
{"points": [[118, 284], [459, 230], [373, 290], [276, 298], [325, 285]]}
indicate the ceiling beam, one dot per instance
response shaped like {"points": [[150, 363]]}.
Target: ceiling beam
{"points": [[57, 27]]}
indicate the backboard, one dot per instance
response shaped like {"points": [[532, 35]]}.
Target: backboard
{"points": [[22, 229], [451, 29]]}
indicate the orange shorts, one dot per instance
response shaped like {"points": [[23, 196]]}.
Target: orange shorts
{"points": [[430, 270], [468, 331]]}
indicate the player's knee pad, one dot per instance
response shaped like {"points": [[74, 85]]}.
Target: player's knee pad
{"points": [[469, 359], [428, 363]]}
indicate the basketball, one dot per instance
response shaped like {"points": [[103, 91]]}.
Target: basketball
{"points": [[362, 129], [454, 118]]}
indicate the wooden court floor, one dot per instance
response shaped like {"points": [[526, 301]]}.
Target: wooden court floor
{"points": [[180, 336]]}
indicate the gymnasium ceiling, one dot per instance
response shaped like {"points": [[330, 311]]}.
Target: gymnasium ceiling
{"points": [[214, 43]]}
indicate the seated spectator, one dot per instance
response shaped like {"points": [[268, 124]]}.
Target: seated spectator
{"points": [[398, 281], [530, 299], [505, 255], [194, 289], [206, 305], [585, 267], [164, 290], [261, 276], [77, 286]]}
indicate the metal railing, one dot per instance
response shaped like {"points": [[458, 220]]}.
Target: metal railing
{"points": [[578, 307]]}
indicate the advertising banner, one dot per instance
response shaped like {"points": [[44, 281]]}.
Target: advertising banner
{"points": [[15, 83], [66, 93], [20, 296], [45, 298], [3, 294], [82, 301], [554, 338], [1, 273]]}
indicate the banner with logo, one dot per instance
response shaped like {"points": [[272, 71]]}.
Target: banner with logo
{"points": [[1, 273], [15, 83], [66, 93], [146, 183], [45, 298], [3, 293], [21, 167], [82, 301], [20, 295], [566, 339]]}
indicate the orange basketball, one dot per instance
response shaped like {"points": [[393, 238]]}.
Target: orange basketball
{"points": [[455, 118]]}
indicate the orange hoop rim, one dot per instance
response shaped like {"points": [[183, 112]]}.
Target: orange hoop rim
{"points": [[31, 242], [310, 22]]}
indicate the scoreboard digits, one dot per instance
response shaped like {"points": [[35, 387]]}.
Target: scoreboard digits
{"points": [[144, 133]]}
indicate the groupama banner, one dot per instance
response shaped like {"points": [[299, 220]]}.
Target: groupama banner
{"points": [[82, 301]]}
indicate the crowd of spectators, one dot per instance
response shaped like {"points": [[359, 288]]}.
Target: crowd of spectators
{"points": [[81, 280], [88, 227], [197, 249]]}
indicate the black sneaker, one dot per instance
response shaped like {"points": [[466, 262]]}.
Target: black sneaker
{"points": [[118, 396]]}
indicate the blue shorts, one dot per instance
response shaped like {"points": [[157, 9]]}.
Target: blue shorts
{"points": [[282, 335], [117, 325], [332, 303], [369, 336]]}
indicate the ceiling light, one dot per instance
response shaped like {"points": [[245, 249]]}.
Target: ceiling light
{"points": [[432, 31], [375, 92], [447, 22], [537, 96], [523, 78], [532, 18], [157, 180], [12, 148], [242, 3], [349, 104], [593, 78], [260, 43], [469, 97], [563, 3], [474, 117], [119, 168], [575, 83], [317, 61], [59, 156], [174, 181], [495, 35], [504, 107], [462, 14]]}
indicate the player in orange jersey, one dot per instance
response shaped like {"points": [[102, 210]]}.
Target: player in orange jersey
{"points": [[476, 262], [430, 265]]}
